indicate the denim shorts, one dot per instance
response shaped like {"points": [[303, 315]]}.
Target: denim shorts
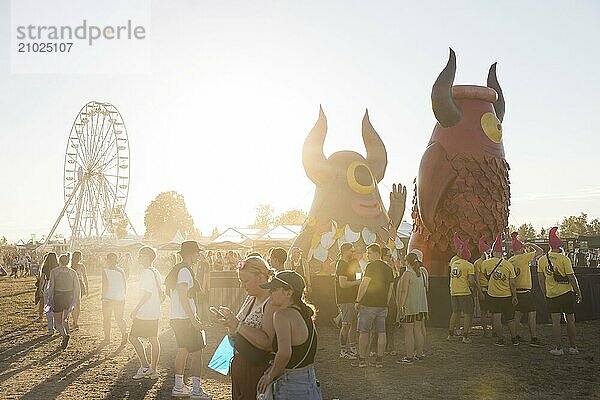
{"points": [[366, 316], [297, 384]]}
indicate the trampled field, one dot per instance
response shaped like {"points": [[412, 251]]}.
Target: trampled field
{"points": [[32, 366]]}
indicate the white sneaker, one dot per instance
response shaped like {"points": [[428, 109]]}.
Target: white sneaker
{"points": [[347, 355], [200, 395], [183, 391], [151, 374], [557, 351], [573, 350], [141, 373]]}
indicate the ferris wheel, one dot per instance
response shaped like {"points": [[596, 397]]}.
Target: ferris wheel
{"points": [[96, 173]]}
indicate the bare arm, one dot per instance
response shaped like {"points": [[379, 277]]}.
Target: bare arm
{"points": [[542, 281], [261, 338], [145, 297], [104, 283], [283, 327], [538, 250], [404, 282], [472, 282], [345, 283], [575, 285], [362, 288], [182, 292]]}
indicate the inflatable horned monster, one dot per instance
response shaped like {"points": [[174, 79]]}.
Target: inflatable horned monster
{"points": [[347, 206], [462, 185]]}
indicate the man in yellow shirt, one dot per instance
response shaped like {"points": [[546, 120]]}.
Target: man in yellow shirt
{"points": [[462, 278], [561, 289], [520, 261], [502, 291], [482, 284]]}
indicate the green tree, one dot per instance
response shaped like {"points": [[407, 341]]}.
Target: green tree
{"points": [[264, 216], [594, 227], [167, 214], [574, 226], [291, 217], [526, 232]]}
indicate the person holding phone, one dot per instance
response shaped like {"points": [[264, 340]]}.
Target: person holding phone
{"points": [[251, 330]]}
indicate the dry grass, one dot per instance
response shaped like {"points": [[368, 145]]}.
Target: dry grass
{"points": [[32, 367]]}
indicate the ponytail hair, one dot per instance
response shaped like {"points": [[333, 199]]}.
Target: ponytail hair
{"points": [[307, 310], [413, 262]]}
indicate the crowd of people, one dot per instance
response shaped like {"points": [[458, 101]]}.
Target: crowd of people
{"points": [[273, 334], [387, 293]]}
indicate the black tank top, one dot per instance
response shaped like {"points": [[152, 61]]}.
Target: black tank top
{"points": [[299, 352]]}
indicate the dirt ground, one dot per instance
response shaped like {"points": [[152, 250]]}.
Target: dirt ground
{"points": [[32, 366]]}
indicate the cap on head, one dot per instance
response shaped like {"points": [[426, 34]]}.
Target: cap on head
{"points": [[417, 253], [516, 243], [553, 239], [286, 279], [190, 247]]}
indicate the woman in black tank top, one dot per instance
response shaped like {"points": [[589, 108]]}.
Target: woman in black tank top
{"points": [[292, 375]]}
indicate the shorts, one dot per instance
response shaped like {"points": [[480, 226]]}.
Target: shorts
{"points": [[484, 302], [502, 305], [144, 328], [463, 304], [348, 312], [565, 303], [408, 319], [187, 336], [526, 302], [62, 301], [366, 316]]}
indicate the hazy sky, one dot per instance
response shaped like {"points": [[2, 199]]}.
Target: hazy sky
{"points": [[233, 88]]}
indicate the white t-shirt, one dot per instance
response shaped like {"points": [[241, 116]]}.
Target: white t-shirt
{"points": [[115, 289], [149, 281], [177, 312]]}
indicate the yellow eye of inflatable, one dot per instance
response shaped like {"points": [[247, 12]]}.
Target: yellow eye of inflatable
{"points": [[492, 127], [360, 178]]}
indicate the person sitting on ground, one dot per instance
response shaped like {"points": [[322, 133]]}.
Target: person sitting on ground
{"points": [[182, 286], [64, 295], [114, 289], [292, 375], [83, 284], [412, 308], [521, 260], [502, 292], [561, 291], [146, 315], [462, 280]]}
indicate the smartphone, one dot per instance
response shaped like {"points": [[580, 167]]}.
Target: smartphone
{"points": [[216, 312], [358, 275]]}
